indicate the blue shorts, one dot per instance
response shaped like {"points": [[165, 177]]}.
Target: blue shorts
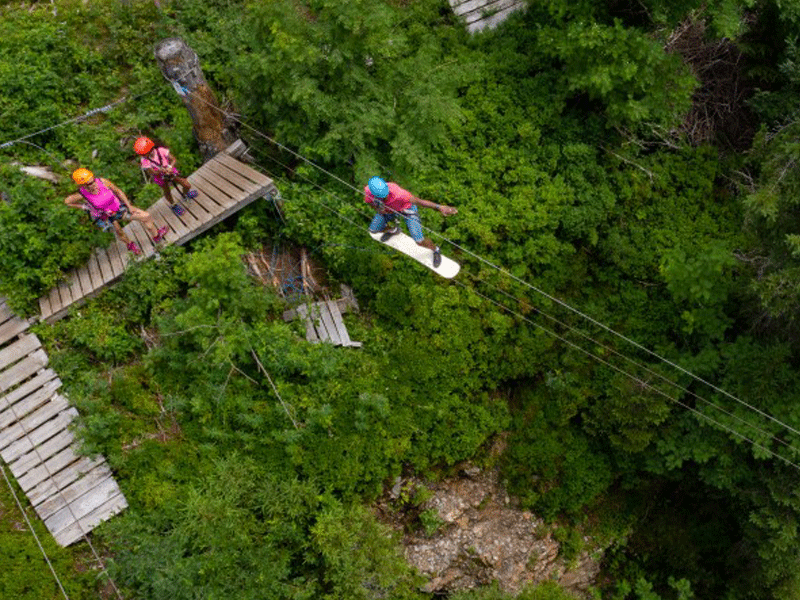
{"points": [[411, 215]]}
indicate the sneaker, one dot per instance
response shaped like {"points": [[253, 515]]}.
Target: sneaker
{"points": [[437, 258], [134, 248], [389, 233], [160, 235], [177, 209], [191, 194]]}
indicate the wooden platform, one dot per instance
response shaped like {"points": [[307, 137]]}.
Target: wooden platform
{"points": [[71, 494], [324, 320], [484, 14], [224, 186]]}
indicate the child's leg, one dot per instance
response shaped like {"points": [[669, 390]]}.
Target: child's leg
{"points": [[137, 214], [183, 182], [167, 190], [120, 233]]}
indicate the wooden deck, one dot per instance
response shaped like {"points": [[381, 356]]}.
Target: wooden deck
{"points": [[484, 14], [224, 187], [71, 494]]}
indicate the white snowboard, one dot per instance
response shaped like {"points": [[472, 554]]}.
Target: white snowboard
{"points": [[400, 241]]}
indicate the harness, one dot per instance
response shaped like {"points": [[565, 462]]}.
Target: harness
{"points": [[102, 218]]}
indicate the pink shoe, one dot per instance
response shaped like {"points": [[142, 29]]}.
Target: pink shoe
{"points": [[160, 235], [134, 248]]}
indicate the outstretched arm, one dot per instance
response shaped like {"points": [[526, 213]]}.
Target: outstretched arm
{"points": [[442, 208], [75, 201]]}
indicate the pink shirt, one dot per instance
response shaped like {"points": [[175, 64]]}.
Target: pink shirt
{"points": [[162, 159], [398, 198], [104, 200]]}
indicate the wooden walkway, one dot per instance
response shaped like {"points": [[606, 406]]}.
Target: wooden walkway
{"points": [[71, 494], [324, 320], [224, 187], [74, 494], [484, 14]]}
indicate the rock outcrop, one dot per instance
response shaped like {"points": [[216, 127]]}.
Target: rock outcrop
{"points": [[484, 538]]}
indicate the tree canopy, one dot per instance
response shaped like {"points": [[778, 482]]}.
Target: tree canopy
{"points": [[665, 422]]}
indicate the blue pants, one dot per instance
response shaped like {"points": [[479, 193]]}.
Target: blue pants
{"points": [[411, 216]]}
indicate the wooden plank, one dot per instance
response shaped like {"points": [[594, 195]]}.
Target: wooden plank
{"points": [[50, 486], [311, 332], [55, 302], [244, 170], [48, 469], [225, 194], [327, 319], [29, 402], [226, 179], [205, 201], [116, 254], [104, 262], [74, 532], [36, 456], [94, 272], [65, 294], [488, 22], [340, 326], [44, 306], [37, 427], [18, 350], [77, 488], [74, 285], [11, 328], [22, 370], [28, 387], [173, 221], [85, 279], [82, 505]]}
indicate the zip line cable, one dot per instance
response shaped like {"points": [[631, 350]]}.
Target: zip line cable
{"points": [[33, 531], [634, 378], [522, 281], [561, 303], [605, 347], [91, 113], [639, 365]]}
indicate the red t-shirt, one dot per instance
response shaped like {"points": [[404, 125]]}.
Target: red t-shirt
{"points": [[398, 198]]}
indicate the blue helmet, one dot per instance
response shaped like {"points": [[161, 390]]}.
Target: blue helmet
{"points": [[378, 187]]}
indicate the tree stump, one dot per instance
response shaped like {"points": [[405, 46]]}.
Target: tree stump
{"points": [[181, 67]]}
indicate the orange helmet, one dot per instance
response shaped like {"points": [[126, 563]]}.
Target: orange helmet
{"points": [[143, 145], [82, 176]]}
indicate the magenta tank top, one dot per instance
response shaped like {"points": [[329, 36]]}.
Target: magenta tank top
{"points": [[104, 199]]}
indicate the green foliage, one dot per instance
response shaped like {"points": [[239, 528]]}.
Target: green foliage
{"points": [[352, 81], [244, 451], [624, 69], [543, 591], [554, 467]]}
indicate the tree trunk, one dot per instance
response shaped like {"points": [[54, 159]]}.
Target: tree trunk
{"points": [[181, 67]]}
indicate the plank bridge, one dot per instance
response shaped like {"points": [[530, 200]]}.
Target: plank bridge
{"points": [[224, 185], [73, 493]]}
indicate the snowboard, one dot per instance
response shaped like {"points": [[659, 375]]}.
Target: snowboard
{"points": [[403, 243]]}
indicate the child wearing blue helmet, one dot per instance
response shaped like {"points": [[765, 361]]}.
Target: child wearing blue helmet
{"points": [[390, 200]]}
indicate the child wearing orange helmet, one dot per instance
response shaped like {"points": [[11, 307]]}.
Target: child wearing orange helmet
{"points": [[108, 205], [160, 165]]}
